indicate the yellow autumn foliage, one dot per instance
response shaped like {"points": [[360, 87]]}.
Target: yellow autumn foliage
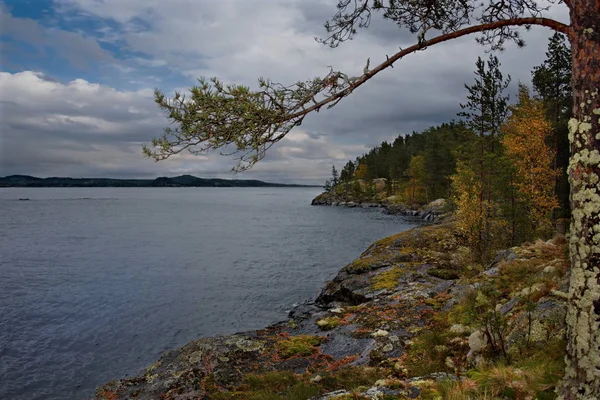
{"points": [[478, 218], [525, 135], [361, 172]]}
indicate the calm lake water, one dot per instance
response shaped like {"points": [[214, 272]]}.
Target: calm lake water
{"points": [[96, 283]]}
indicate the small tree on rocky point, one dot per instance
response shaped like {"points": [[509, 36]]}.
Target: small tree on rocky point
{"points": [[248, 122], [335, 178]]}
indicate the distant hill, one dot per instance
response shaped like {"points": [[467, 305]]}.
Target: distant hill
{"points": [[178, 181]]}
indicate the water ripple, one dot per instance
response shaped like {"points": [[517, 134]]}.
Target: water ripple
{"points": [[98, 282]]}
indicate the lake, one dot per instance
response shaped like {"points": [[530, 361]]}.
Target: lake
{"points": [[97, 283]]}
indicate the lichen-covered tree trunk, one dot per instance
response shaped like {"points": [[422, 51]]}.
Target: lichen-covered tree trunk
{"points": [[582, 375]]}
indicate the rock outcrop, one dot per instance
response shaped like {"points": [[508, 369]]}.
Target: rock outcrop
{"points": [[434, 211], [410, 315]]}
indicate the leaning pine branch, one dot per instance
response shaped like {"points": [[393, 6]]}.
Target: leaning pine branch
{"points": [[250, 122], [550, 23]]}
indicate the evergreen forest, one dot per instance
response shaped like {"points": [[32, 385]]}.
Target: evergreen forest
{"points": [[502, 163]]}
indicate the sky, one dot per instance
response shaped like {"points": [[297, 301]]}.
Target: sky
{"points": [[77, 80]]}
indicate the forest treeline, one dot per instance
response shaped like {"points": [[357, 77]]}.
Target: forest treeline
{"points": [[502, 163]]}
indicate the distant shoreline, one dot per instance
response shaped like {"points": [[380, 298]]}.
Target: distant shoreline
{"points": [[26, 181]]}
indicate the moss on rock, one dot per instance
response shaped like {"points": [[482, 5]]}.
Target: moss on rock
{"points": [[302, 345]]}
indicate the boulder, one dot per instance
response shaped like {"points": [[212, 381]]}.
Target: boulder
{"points": [[436, 207], [477, 341]]}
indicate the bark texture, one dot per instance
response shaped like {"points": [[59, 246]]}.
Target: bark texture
{"points": [[582, 375]]}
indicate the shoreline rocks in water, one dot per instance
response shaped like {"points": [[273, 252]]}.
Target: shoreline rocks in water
{"points": [[431, 212], [399, 321]]}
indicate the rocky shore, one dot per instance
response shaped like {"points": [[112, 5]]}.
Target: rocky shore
{"points": [[430, 213], [412, 317]]}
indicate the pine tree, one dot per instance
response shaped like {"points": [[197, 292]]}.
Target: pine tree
{"points": [[347, 173], [552, 82], [486, 110], [334, 176], [417, 173], [486, 107]]}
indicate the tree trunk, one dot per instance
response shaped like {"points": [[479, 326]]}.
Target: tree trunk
{"points": [[582, 374]]}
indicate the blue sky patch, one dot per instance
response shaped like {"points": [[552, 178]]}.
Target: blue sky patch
{"points": [[65, 45]]}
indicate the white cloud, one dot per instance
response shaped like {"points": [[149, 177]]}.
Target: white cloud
{"points": [[80, 128], [238, 41]]}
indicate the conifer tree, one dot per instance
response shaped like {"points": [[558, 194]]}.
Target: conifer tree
{"points": [[417, 173], [347, 173], [486, 109], [335, 179], [552, 82]]}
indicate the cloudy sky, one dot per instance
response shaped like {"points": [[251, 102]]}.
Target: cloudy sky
{"points": [[76, 82]]}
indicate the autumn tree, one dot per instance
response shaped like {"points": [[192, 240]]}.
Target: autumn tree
{"points": [[248, 122], [477, 219], [362, 171], [525, 138]]}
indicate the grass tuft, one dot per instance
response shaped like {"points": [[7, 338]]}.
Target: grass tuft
{"points": [[302, 346]]}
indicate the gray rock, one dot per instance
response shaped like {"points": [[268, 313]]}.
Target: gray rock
{"points": [[477, 341], [435, 207], [380, 333], [507, 255], [460, 329], [506, 308], [374, 392], [303, 310], [437, 376], [548, 321], [364, 357], [341, 345], [536, 287], [332, 395], [494, 271], [550, 269]]}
